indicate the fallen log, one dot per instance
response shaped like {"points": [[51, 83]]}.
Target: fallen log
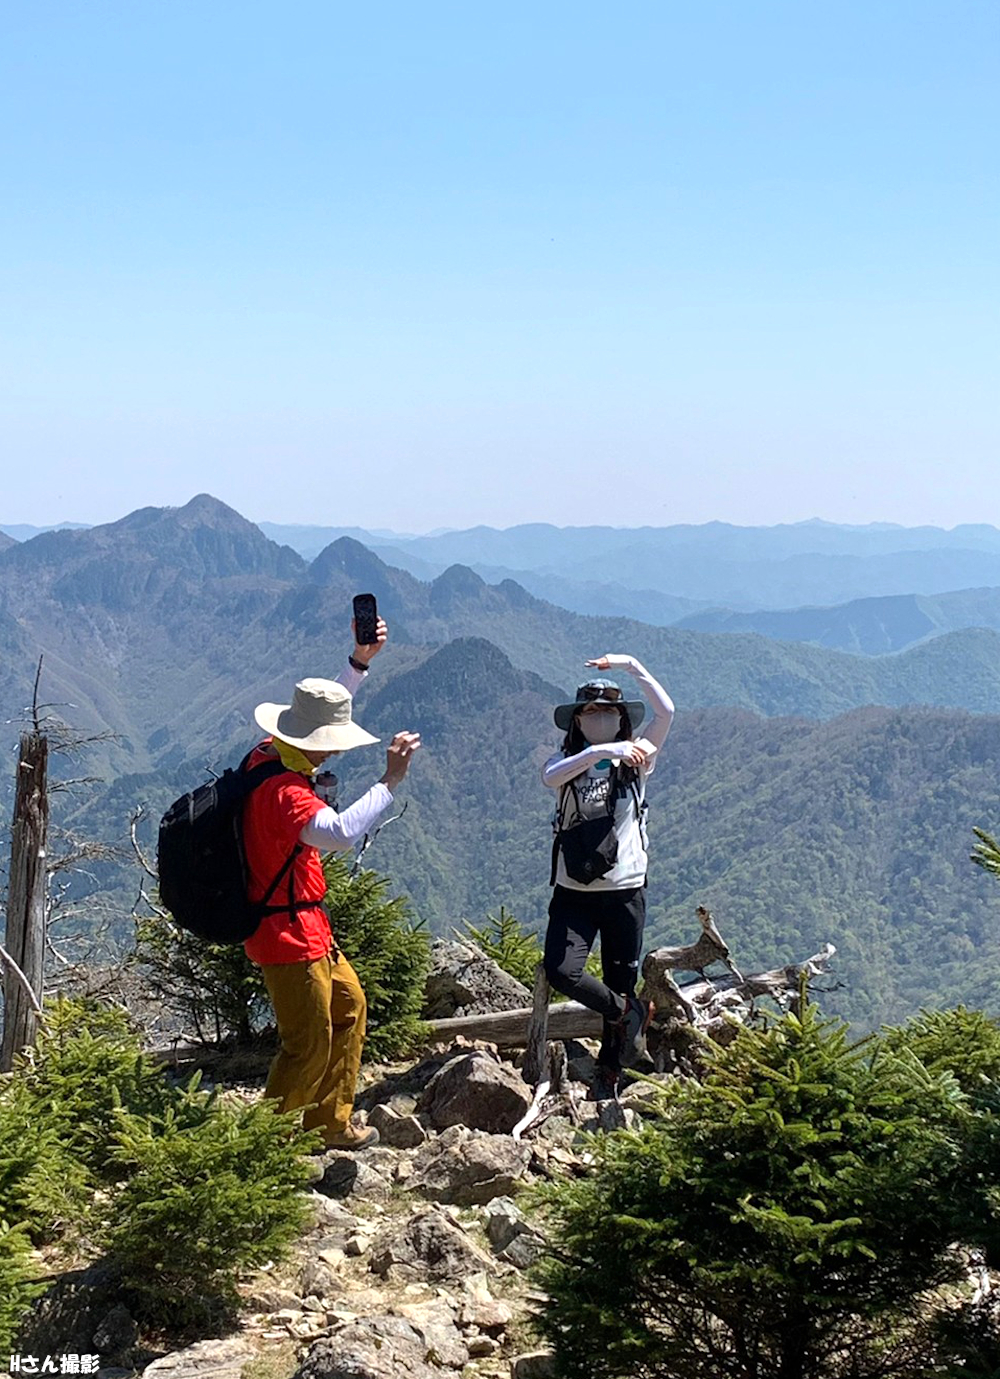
{"points": [[683, 1012], [703, 1004], [509, 1028]]}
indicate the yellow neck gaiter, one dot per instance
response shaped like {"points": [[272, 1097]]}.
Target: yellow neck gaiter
{"points": [[292, 758]]}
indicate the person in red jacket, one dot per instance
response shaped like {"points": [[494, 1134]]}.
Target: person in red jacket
{"points": [[318, 1001]]}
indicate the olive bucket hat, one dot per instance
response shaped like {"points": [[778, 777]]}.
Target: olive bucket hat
{"points": [[600, 692]]}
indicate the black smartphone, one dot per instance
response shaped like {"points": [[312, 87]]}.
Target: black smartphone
{"points": [[365, 619]]}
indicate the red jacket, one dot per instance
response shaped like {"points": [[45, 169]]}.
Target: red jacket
{"points": [[273, 818]]}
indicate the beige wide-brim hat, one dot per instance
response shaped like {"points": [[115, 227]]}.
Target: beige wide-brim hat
{"points": [[318, 719]]}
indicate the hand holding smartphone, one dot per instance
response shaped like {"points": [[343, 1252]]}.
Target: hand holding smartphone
{"points": [[365, 619]]}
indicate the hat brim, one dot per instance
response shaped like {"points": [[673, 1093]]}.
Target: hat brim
{"points": [[279, 721], [635, 708]]}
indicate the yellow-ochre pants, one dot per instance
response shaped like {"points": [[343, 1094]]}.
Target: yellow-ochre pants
{"points": [[321, 1012]]}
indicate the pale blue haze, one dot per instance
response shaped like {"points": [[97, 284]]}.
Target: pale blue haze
{"points": [[414, 266]]}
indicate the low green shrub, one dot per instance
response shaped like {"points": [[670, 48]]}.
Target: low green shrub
{"points": [[182, 1188], [965, 1043], [513, 948], [215, 987], [43, 1186], [212, 1188], [17, 1285], [88, 1064], [790, 1215], [517, 950], [221, 993]]}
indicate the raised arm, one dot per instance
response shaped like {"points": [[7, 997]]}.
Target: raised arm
{"points": [[356, 670], [333, 831], [659, 700]]}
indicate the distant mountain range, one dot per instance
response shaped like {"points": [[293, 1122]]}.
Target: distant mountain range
{"points": [[900, 584], [20, 531], [843, 821], [150, 624], [906, 584], [872, 627], [743, 568]]}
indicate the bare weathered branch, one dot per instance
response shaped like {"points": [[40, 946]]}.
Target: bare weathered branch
{"points": [[34, 696], [709, 947], [369, 838], [135, 818], [8, 962]]}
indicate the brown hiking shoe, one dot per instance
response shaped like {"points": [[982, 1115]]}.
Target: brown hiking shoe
{"points": [[354, 1137]]}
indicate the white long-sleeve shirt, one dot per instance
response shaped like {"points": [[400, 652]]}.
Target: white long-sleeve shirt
{"points": [[331, 830], [590, 772]]}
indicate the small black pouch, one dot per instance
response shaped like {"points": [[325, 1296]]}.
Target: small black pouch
{"points": [[589, 847]]}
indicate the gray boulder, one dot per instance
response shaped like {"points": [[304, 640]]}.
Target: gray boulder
{"points": [[396, 1130], [379, 1347], [117, 1334], [464, 981], [469, 1169], [348, 1175], [206, 1360], [538, 1364], [435, 1321], [475, 1090], [512, 1239], [426, 1245], [63, 1320]]}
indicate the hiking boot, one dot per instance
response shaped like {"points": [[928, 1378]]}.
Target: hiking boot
{"points": [[355, 1137], [632, 1030], [605, 1084]]}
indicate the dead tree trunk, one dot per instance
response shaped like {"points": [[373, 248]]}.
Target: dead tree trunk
{"points": [[536, 1049], [25, 929]]}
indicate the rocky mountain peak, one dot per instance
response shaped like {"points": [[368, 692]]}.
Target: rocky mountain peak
{"points": [[457, 583], [345, 556], [205, 537]]}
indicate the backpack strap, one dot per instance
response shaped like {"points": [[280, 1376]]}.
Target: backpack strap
{"points": [[257, 775], [557, 826], [293, 906]]}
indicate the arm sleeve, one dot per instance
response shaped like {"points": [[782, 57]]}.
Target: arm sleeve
{"points": [[352, 679], [662, 705], [558, 770], [333, 832]]}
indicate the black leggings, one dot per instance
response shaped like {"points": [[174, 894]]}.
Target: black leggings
{"points": [[575, 920]]}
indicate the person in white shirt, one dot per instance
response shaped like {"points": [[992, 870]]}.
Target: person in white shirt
{"points": [[599, 870]]}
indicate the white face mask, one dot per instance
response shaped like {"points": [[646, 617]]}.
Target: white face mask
{"points": [[600, 727]]}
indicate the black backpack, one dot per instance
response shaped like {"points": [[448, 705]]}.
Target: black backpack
{"points": [[202, 862]]}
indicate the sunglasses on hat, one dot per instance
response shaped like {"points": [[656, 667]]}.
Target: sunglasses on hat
{"points": [[610, 694]]}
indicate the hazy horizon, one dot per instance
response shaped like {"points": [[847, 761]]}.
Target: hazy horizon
{"points": [[387, 534]]}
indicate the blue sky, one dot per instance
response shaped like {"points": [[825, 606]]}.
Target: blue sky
{"points": [[415, 266]]}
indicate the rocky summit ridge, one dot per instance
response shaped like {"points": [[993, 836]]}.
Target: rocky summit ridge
{"points": [[414, 1260]]}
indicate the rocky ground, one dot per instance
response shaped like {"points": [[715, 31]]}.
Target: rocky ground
{"points": [[414, 1263]]}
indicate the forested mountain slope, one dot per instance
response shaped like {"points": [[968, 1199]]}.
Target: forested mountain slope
{"points": [[873, 627], [850, 826], [855, 830], [169, 625]]}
